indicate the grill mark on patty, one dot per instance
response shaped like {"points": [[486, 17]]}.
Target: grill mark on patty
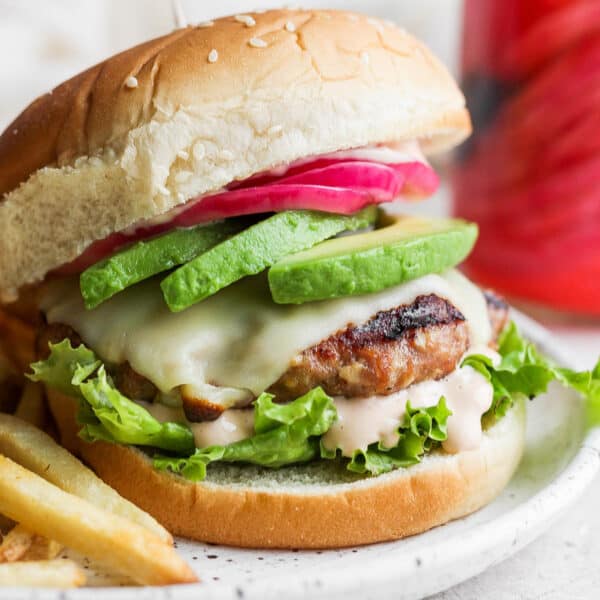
{"points": [[394, 349], [425, 311]]}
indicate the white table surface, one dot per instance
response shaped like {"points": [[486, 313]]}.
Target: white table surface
{"points": [[565, 561]]}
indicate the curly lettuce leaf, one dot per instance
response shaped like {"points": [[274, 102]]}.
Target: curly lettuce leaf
{"points": [[66, 367], [104, 412], [421, 430], [283, 434], [522, 370]]}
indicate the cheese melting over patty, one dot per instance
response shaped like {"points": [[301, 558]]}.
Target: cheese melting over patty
{"points": [[239, 339]]}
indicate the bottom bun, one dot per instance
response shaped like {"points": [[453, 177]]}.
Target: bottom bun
{"points": [[316, 505]]}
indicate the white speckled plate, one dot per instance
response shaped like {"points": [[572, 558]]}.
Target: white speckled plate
{"points": [[560, 461]]}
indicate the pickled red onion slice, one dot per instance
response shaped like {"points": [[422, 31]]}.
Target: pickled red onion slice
{"points": [[276, 198], [420, 180], [324, 184]]}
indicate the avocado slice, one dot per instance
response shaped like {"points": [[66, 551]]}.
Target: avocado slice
{"points": [[149, 257], [255, 249], [404, 248]]}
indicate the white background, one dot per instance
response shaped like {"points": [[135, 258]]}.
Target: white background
{"points": [[43, 42]]}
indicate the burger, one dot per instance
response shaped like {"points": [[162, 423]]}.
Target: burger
{"points": [[239, 330]]}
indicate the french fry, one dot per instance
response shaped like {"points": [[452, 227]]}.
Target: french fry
{"points": [[38, 452], [42, 549], [21, 544], [119, 544], [48, 573], [32, 405], [15, 544]]}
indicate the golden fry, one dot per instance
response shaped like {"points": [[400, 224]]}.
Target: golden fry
{"points": [[38, 452], [42, 549], [49, 573], [15, 544], [119, 544]]}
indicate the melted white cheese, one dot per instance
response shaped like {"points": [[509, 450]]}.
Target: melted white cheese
{"points": [[364, 421], [239, 338]]}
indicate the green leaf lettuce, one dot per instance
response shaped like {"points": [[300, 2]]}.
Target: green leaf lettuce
{"points": [[104, 412], [283, 434], [523, 370], [421, 430]]}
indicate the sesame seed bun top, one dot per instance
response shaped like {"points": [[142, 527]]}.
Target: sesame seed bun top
{"points": [[187, 113]]}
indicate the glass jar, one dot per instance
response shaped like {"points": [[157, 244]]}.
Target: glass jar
{"points": [[530, 175]]}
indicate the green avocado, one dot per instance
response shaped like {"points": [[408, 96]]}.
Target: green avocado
{"points": [[404, 248], [149, 257], [255, 249]]}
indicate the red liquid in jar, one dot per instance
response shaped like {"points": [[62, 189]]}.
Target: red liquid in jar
{"points": [[530, 175]]}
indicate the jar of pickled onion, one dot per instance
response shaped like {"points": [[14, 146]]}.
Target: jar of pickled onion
{"points": [[530, 175]]}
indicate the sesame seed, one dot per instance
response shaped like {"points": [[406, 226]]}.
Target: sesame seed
{"points": [[290, 26], [205, 24], [213, 56], [226, 155], [199, 151], [257, 43], [275, 129], [131, 82], [364, 57], [247, 20], [183, 155], [15, 131]]}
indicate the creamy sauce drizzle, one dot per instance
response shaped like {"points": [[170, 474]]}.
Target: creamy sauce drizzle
{"points": [[364, 421], [233, 425]]}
